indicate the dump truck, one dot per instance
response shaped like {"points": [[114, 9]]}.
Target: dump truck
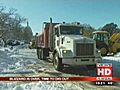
{"points": [[105, 43], [64, 44]]}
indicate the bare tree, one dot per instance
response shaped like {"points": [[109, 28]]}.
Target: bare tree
{"points": [[11, 22]]}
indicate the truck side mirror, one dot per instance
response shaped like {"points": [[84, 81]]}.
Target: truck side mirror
{"points": [[63, 39]]}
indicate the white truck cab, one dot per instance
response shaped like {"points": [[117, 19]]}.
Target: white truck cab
{"points": [[72, 48]]}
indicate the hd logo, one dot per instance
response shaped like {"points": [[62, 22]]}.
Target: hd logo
{"points": [[104, 73]]}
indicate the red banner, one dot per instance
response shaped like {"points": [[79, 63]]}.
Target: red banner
{"points": [[54, 79]]}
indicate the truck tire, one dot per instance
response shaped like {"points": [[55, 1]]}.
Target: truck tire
{"points": [[38, 54], [57, 62], [44, 53], [91, 67]]}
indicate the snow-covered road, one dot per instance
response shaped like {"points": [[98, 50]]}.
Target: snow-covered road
{"points": [[12, 62], [24, 62], [21, 61]]}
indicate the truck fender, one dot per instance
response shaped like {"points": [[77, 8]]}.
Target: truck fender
{"points": [[56, 51]]}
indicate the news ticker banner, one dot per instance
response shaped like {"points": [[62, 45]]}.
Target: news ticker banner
{"points": [[114, 79], [103, 73]]}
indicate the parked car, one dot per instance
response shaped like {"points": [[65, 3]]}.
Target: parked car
{"points": [[13, 42]]}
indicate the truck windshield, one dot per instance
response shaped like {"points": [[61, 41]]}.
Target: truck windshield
{"points": [[70, 30], [100, 37]]}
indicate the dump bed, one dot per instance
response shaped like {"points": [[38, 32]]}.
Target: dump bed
{"points": [[43, 39]]}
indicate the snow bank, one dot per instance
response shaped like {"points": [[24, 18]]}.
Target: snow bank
{"points": [[4, 59], [41, 85], [15, 62], [12, 62], [115, 60]]}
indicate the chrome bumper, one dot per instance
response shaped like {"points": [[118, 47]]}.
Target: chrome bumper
{"points": [[81, 61]]}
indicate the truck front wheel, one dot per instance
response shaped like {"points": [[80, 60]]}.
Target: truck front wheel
{"points": [[91, 67], [38, 55], [57, 62]]}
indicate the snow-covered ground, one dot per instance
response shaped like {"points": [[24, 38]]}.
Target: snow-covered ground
{"points": [[115, 60], [21, 61], [12, 62], [40, 86], [17, 62]]}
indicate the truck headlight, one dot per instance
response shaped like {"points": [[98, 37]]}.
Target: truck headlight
{"points": [[66, 51], [98, 51]]}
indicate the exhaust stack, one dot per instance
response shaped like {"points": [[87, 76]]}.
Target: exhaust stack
{"points": [[50, 34]]}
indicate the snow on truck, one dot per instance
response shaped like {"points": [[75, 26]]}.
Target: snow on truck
{"points": [[64, 44]]}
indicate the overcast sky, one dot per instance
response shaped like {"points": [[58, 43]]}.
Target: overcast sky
{"points": [[97, 13]]}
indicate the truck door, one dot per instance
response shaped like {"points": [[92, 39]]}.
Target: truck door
{"points": [[56, 37]]}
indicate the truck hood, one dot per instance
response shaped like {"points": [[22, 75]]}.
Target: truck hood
{"points": [[78, 38]]}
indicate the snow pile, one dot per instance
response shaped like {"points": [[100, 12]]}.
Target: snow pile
{"points": [[118, 54], [115, 60], [17, 62], [4, 59], [41, 85], [12, 62]]}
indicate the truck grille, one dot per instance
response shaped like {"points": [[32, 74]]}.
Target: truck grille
{"points": [[84, 49]]}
